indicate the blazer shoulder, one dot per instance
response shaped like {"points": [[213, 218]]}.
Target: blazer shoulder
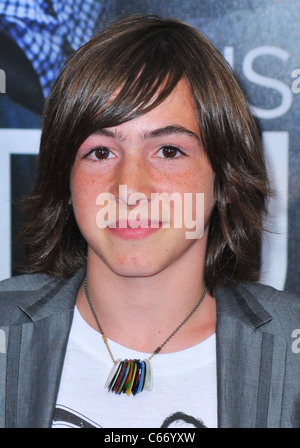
{"points": [[37, 296], [15, 293], [282, 306], [269, 296], [25, 282]]}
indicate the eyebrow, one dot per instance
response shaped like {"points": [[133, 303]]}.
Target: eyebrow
{"points": [[167, 130]]}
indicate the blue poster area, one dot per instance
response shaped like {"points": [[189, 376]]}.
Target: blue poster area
{"points": [[260, 39]]}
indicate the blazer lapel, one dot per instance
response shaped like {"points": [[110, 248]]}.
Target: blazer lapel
{"points": [[36, 351], [34, 364], [250, 363]]}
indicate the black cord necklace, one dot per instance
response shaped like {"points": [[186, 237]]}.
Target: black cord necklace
{"points": [[132, 376]]}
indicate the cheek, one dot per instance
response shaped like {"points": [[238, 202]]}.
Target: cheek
{"points": [[86, 183], [192, 180], [170, 182], [84, 191], [200, 180]]}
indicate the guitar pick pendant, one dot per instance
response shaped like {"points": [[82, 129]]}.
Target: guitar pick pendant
{"points": [[130, 376]]}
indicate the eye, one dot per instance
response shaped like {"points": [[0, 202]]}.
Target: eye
{"points": [[170, 152], [99, 153]]}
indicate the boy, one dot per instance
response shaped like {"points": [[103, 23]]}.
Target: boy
{"points": [[147, 110]]}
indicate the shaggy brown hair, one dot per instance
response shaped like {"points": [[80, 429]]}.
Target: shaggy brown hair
{"points": [[143, 58]]}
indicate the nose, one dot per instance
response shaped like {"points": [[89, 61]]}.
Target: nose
{"points": [[133, 174]]}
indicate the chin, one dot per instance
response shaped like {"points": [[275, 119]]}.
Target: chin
{"points": [[135, 268]]}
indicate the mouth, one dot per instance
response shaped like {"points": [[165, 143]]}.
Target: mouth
{"points": [[132, 229]]}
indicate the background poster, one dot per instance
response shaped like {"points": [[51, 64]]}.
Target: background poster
{"points": [[259, 38]]}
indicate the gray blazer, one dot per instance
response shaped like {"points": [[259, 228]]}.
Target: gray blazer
{"points": [[258, 371]]}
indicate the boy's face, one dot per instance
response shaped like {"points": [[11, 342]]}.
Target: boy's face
{"points": [[157, 155]]}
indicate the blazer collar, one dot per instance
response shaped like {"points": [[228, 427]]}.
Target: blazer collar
{"points": [[239, 303], [57, 295]]}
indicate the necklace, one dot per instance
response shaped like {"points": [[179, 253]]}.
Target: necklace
{"points": [[132, 376]]}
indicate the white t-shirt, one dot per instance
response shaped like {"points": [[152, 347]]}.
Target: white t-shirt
{"points": [[184, 392]]}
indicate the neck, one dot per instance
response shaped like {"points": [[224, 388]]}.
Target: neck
{"points": [[141, 312]]}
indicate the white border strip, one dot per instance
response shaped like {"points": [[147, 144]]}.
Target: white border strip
{"points": [[275, 245], [13, 141]]}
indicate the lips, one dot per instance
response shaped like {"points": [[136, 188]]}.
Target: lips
{"points": [[135, 224], [133, 229]]}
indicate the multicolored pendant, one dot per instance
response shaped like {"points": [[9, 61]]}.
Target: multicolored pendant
{"points": [[130, 376]]}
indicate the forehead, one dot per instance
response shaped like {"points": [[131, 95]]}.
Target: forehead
{"points": [[176, 114]]}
